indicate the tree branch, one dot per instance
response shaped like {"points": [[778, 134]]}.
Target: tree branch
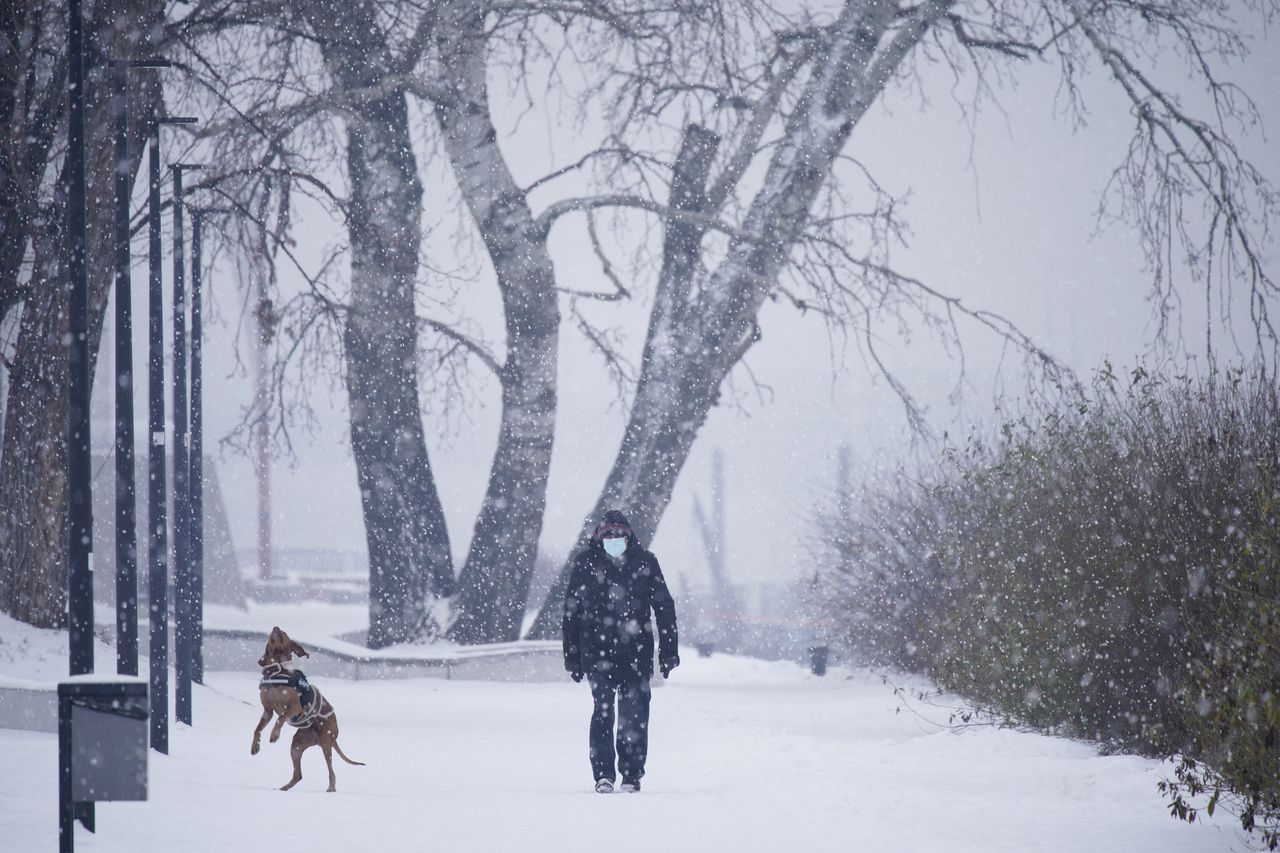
{"points": [[548, 217], [474, 347]]}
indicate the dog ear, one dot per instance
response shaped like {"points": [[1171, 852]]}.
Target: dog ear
{"points": [[298, 649]]}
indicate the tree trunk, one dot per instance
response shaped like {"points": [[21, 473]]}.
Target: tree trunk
{"points": [[33, 509], [663, 364], [33, 468], [32, 117], [32, 457], [676, 393], [409, 558], [494, 584]]}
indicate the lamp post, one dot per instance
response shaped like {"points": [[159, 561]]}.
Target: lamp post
{"points": [[157, 554], [126, 488], [79, 483], [182, 608], [197, 448]]}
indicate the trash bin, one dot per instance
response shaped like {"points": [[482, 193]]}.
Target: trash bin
{"points": [[818, 659], [102, 747]]}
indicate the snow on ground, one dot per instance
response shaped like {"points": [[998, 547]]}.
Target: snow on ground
{"points": [[744, 756], [36, 659]]}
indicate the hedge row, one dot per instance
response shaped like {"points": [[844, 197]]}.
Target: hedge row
{"points": [[1108, 569]]}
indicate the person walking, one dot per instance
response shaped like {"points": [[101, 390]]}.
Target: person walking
{"points": [[608, 637]]}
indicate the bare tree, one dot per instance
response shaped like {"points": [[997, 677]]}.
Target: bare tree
{"points": [[475, 37], [404, 521], [466, 36], [296, 89], [32, 273], [702, 326], [467, 40], [494, 584], [380, 329]]}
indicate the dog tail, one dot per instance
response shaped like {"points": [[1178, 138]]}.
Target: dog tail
{"points": [[338, 749]]}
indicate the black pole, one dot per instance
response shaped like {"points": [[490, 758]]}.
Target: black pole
{"points": [[181, 465], [181, 660], [79, 484], [158, 552], [126, 509], [66, 808], [197, 450], [126, 488]]}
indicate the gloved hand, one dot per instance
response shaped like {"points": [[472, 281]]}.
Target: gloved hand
{"points": [[667, 664], [575, 674]]}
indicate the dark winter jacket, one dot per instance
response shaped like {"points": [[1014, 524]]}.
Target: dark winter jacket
{"points": [[607, 626]]}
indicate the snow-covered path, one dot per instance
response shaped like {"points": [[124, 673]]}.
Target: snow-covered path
{"points": [[744, 756]]}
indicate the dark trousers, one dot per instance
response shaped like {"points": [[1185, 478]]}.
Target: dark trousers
{"points": [[632, 701]]}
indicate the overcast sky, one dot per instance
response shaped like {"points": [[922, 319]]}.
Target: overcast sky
{"points": [[1002, 213]]}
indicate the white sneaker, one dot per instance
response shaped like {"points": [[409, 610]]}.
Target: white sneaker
{"points": [[631, 787], [604, 786]]}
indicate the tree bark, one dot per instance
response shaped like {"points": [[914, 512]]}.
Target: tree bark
{"points": [[33, 508], [31, 115], [409, 557], [33, 467], [494, 584], [684, 368]]}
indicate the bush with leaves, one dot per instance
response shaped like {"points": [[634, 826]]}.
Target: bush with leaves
{"points": [[1106, 569], [1232, 706]]}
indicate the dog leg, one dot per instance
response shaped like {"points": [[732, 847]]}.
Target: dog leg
{"points": [[301, 741], [327, 737], [292, 708], [257, 733], [327, 747]]}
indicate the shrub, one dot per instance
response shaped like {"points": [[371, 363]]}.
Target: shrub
{"points": [[1232, 707], [1106, 569]]}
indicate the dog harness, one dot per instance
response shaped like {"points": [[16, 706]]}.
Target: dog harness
{"points": [[317, 708], [314, 706]]}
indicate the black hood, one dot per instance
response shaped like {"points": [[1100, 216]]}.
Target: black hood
{"points": [[614, 519]]}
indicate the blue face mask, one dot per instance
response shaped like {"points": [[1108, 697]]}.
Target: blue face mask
{"points": [[614, 547]]}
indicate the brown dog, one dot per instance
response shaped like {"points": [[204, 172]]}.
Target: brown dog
{"points": [[283, 693]]}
